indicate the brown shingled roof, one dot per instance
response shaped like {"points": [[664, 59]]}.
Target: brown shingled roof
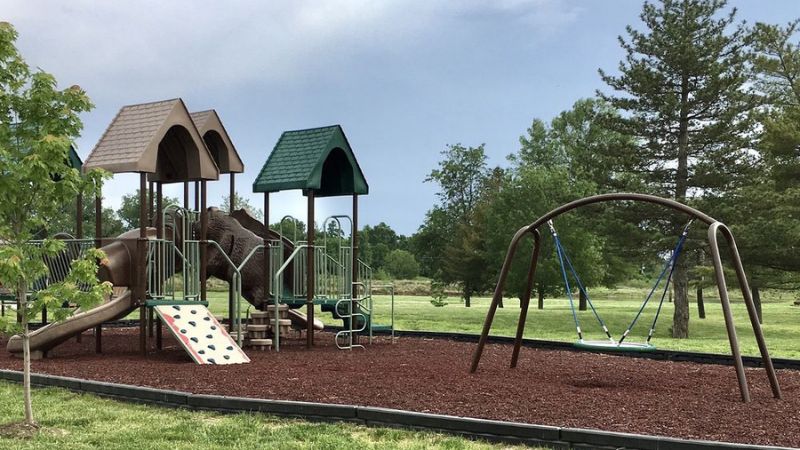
{"points": [[218, 142], [158, 138]]}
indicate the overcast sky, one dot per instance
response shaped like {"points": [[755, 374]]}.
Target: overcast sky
{"points": [[403, 78]]}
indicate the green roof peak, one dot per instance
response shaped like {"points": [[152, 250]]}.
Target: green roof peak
{"points": [[316, 159]]}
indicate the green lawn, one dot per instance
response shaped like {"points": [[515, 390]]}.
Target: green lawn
{"points": [[617, 307], [79, 421]]}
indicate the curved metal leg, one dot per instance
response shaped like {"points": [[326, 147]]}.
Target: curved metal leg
{"points": [[498, 295], [526, 299], [752, 312], [726, 310]]}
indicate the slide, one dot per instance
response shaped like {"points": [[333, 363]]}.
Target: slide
{"points": [[117, 270], [301, 320]]}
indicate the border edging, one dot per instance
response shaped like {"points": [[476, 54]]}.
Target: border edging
{"points": [[491, 430]]}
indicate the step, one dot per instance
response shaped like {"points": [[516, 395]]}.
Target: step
{"points": [[256, 328], [259, 315], [282, 307]]}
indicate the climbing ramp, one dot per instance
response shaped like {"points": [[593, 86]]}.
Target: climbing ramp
{"points": [[206, 341]]}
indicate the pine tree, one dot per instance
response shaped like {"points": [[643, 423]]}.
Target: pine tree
{"points": [[682, 88]]}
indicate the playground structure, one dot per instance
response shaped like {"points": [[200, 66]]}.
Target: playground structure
{"points": [[164, 143], [714, 228]]}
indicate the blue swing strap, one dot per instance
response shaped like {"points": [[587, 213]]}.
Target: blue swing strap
{"points": [[564, 263], [669, 269]]}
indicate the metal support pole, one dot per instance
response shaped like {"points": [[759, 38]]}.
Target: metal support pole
{"points": [[726, 311], [526, 298], [498, 295], [203, 238], [141, 262], [748, 300], [310, 273], [354, 306]]}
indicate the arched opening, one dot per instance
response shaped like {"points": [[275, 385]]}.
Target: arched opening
{"points": [[337, 174], [218, 149], [178, 157]]}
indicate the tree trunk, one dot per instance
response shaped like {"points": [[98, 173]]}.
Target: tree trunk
{"points": [[26, 351], [680, 320], [540, 294], [701, 307], [582, 300], [467, 297], [757, 302]]}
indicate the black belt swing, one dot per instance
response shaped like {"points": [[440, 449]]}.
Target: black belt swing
{"points": [[612, 344]]}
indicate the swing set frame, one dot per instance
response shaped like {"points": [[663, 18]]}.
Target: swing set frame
{"points": [[715, 227]]}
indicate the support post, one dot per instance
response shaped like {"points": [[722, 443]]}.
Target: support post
{"points": [[203, 238], [498, 294], [726, 311], [524, 302], [141, 262], [98, 234], [197, 196], [310, 273], [748, 300], [79, 216], [354, 270], [185, 196], [232, 207], [159, 270], [267, 255], [150, 202], [78, 229]]}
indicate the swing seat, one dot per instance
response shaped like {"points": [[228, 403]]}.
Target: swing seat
{"points": [[609, 346]]}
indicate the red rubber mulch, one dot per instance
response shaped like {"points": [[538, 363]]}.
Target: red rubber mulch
{"points": [[559, 388]]}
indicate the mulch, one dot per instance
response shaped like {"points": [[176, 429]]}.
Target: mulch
{"points": [[559, 388]]}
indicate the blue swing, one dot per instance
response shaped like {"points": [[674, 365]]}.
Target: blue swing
{"points": [[612, 344]]}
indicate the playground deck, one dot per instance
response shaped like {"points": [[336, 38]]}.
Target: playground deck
{"points": [[558, 388]]}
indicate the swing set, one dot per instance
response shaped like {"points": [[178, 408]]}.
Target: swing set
{"points": [[613, 344], [715, 227]]}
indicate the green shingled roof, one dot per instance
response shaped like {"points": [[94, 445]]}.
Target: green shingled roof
{"points": [[74, 160], [318, 159]]}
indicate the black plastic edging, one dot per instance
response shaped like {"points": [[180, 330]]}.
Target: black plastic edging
{"points": [[491, 430]]}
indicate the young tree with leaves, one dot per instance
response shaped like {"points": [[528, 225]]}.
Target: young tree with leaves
{"points": [[461, 177], [128, 211], [38, 123], [683, 88], [241, 203]]}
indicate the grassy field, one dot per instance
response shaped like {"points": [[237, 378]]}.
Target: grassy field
{"points": [[617, 307], [76, 421]]}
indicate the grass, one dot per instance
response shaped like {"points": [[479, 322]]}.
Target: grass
{"points": [[80, 421], [617, 307]]}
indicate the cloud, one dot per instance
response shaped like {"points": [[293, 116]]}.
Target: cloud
{"points": [[182, 44]]}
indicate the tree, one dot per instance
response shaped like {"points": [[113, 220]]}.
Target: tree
{"points": [[65, 221], [241, 203], [683, 87], [401, 264], [37, 125], [128, 211], [461, 176], [375, 244]]}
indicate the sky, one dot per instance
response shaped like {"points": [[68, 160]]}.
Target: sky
{"points": [[404, 78]]}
